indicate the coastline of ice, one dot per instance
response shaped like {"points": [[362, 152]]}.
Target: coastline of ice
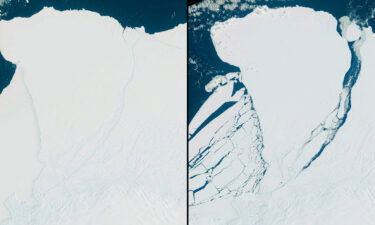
{"points": [[90, 109], [293, 63]]}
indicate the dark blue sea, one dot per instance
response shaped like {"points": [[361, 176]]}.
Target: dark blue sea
{"points": [[204, 62], [153, 15]]}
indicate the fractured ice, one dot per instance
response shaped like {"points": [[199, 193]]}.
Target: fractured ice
{"points": [[228, 162], [299, 76]]}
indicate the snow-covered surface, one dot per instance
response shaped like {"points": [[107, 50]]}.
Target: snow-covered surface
{"points": [[293, 68], [93, 123], [293, 63]]}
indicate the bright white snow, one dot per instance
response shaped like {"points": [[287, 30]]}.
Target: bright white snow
{"points": [[102, 111], [293, 63], [292, 67]]}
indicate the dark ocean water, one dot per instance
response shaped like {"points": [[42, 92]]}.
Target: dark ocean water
{"points": [[154, 15], [204, 63], [7, 70]]}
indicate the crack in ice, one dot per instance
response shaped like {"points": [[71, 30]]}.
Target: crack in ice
{"points": [[236, 148], [337, 118]]}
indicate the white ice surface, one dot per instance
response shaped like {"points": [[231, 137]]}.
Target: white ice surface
{"points": [[93, 123], [292, 67], [293, 63]]}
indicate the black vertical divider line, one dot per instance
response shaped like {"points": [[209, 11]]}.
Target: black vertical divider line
{"points": [[188, 3], [187, 112]]}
